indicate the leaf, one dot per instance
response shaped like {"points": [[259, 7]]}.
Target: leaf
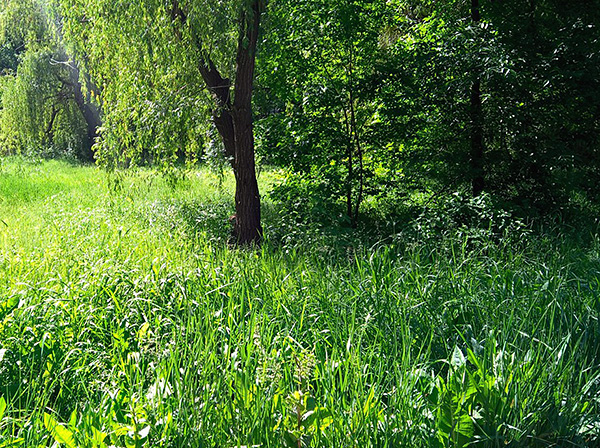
{"points": [[59, 433], [369, 402], [143, 433], [12, 442], [290, 439], [463, 430], [2, 407], [73, 420], [98, 436], [143, 331], [458, 359], [325, 422], [444, 419], [119, 429], [323, 418]]}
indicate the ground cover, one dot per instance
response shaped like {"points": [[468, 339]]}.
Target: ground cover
{"points": [[126, 320]]}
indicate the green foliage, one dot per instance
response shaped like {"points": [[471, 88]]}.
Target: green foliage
{"points": [[22, 24], [320, 102], [545, 100], [38, 114], [157, 107], [373, 95], [36, 118], [437, 319], [476, 221], [536, 84], [314, 198], [406, 70]]}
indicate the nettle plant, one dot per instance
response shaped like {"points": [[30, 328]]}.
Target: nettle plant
{"points": [[471, 400], [303, 418], [298, 417]]}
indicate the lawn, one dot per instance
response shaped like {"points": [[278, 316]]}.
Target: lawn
{"points": [[126, 320]]}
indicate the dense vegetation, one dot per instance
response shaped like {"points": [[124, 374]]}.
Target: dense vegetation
{"points": [[405, 253], [367, 102], [128, 322]]}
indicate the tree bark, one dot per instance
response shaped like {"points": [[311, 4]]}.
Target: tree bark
{"points": [[350, 178], [476, 113], [247, 198], [359, 156], [233, 119], [477, 149], [49, 133]]}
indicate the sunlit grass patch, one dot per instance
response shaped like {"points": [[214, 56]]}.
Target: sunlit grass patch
{"points": [[127, 320]]}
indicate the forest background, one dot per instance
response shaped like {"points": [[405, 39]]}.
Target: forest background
{"points": [[427, 171]]}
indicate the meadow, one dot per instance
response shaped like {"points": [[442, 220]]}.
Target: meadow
{"points": [[126, 320]]}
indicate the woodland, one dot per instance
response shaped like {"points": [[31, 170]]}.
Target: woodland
{"points": [[307, 223]]}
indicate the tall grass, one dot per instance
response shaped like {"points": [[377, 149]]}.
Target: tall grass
{"points": [[127, 321]]}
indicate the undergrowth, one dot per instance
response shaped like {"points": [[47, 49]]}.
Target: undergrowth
{"points": [[127, 321]]}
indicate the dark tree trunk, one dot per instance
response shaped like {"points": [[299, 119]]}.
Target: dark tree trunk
{"points": [[49, 133], [476, 112], [359, 156], [350, 178], [477, 150], [247, 198], [233, 119]]}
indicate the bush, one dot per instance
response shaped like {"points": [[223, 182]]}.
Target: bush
{"points": [[476, 221]]}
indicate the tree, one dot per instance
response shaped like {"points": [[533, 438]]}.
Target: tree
{"points": [[476, 117], [319, 89], [44, 104], [89, 110], [543, 113], [149, 81], [532, 72], [233, 118]]}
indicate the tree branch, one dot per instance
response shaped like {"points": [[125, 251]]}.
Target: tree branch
{"points": [[66, 63], [219, 87]]}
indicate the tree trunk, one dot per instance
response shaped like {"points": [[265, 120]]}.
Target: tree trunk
{"points": [[476, 112], [349, 180], [234, 119], [247, 198], [49, 133], [90, 113], [359, 156], [247, 227], [350, 166], [477, 151]]}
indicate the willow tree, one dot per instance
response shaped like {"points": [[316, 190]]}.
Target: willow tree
{"points": [[44, 103], [160, 65]]}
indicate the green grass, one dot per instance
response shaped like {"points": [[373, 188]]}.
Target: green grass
{"points": [[127, 321]]}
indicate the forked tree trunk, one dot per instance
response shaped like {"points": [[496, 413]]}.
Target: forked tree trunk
{"points": [[89, 111], [233, 119]]}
